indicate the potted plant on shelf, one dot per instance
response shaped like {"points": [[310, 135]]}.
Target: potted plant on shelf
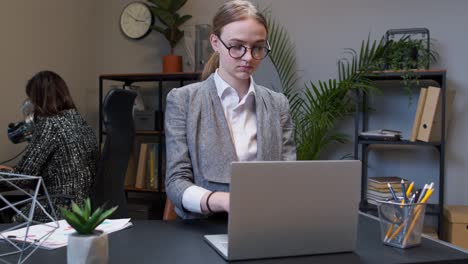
{"points": [[316, 108], [166, 12], [87, 245]]}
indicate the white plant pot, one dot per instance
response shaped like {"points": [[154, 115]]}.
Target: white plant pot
{"points": [[87, 249]]}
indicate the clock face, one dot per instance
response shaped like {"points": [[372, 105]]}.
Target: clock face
{"points": [[136, 20]]}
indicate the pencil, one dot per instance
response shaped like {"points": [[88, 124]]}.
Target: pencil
{"points": [[426, 197], [410, 188]]}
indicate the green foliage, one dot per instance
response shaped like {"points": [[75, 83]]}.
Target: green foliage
{"points": [[166, 12], [407, 53], [317, 107], [83, 220]]}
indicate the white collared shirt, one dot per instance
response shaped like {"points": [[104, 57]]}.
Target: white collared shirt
{"points": [[242, 122]]}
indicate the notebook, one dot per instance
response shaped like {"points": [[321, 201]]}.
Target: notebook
{"points": [[290, 208]]}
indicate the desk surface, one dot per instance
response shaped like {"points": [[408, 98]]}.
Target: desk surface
{"points": [[182, 242]]}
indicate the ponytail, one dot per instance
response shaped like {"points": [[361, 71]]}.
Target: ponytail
{"points": [[211, 65]]}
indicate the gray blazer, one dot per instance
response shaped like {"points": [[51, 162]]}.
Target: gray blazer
{"points": [[199, 147]]}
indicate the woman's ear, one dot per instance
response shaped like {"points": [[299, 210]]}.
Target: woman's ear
{"points": [[214, 42]]}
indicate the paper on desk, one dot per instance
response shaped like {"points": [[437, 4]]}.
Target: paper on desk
{"points": [[59, 237]]}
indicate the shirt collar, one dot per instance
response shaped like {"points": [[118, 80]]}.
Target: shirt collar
{"points": [[222, 86]]}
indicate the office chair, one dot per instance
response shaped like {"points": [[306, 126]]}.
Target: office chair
{"points": [[118, 144], [169, 211]]}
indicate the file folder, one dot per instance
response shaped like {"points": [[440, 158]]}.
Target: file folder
{"points": [[418, 115], [431, 106], [430, 129]]}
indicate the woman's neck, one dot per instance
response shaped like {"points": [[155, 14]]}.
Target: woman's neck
{"points": [[241, 86]]}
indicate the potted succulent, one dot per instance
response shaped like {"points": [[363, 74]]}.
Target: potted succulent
{"points": [[87, 245], [166, 12]]}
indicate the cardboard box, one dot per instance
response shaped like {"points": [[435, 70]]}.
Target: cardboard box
{"points": [[455, 225]]}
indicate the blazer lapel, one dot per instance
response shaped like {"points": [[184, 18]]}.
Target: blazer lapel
{"points": [[220, 119], [262, 123]]}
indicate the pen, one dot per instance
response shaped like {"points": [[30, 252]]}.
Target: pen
{"points": [[413, 197], [403, 191], [392, 192], [422, 193], [418, 192]]}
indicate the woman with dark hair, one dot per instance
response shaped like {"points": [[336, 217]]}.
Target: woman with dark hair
{"points": [[63, 149]]}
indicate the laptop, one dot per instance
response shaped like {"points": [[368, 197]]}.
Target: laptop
{"points": [[290, 208]]}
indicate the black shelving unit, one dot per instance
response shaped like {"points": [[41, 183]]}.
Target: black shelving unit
{"points": [[160, 78], [361, 123]]}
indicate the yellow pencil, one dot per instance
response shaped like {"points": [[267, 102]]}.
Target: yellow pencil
{"points": [[426, 197], [428, 194], [408, 192], [390, 228]]}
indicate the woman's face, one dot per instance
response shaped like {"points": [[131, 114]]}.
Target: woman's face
{"points": [[248, 33]]}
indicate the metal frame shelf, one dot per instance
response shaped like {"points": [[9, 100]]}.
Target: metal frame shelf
{"points": [[361, 123], [129, 79]]}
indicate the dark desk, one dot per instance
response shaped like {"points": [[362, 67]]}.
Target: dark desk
{"points": [[182, 242]]}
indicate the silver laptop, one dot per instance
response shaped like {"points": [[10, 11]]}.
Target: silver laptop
{"points": [[291, 208]]}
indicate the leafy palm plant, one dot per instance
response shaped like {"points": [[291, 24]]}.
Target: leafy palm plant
{"points": [[83, 220], [316, 108]]}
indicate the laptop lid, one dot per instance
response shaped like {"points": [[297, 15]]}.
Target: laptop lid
{"points": [[289, 208]]}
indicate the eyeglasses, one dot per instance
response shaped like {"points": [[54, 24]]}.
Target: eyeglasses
{"points": [[238, 51]]}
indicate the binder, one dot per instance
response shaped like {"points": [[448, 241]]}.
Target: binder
{"points": [[418, 115], [430, 129], [431, 106], [436, 134]]}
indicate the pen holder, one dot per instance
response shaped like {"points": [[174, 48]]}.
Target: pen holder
{"points": [[401, 225]]}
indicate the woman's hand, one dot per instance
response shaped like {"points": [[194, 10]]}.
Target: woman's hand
{"points": [[219, 202], [6, 168]]}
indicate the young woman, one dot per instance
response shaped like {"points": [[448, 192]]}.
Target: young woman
{"points": [[63, 148], [227, 117]]}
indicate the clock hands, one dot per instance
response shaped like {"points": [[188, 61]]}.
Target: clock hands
{"points": [[134, 18]]}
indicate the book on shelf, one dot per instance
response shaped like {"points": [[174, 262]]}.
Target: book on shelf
{"points": [[381, 181], [396, 188], [418, 115], [382, 195], [130, 175], [141, 169], [152, 163]]}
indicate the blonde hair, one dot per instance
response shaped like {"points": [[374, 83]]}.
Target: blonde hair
{"points": [[231, 11]]}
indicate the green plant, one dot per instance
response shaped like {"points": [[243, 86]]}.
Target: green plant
{"points": [[166, 12], [83, 220], [316, 108], [407, 54]]}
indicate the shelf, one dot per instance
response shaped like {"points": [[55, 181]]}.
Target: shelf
{"points": [[133, 189], [149, 132], [143, 132], [431, 209], [362, 146], [152, 77], [398, 142], [397, 75]]}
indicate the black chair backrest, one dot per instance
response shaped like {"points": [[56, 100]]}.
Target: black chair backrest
{"points": [[118, 144]]}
